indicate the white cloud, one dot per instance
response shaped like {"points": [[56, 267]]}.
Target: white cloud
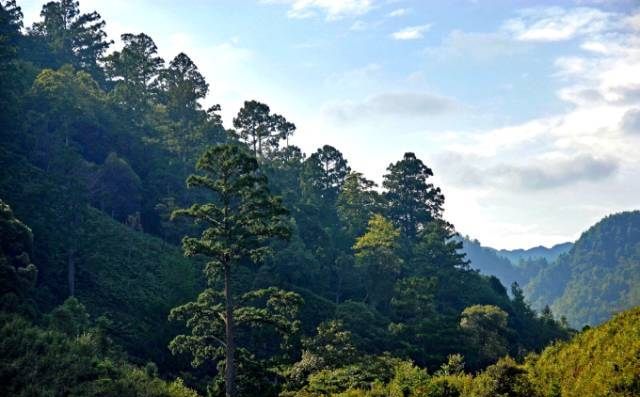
{"points": [[560, 172], [541, 173], [630, 123], [478, 46], [633, 21], [557, 24], [398, 13], [333, 9], [411, 32], [396, 104]]}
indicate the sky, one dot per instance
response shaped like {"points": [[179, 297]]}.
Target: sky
{"points": [[527, 112]]}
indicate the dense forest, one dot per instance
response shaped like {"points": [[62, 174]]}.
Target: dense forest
{"points": [[585, 282], [147, 249], [598, 277]]}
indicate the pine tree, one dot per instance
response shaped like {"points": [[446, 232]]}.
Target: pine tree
{"points": [[71, 37], [324, 174], [239, 225], [135, 70], [412, 200]]}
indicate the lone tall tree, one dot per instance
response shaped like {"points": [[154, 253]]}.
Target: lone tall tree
{"points": [[239, 225]]}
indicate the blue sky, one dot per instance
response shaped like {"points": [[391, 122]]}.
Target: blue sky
{"points": [[528, 112]]}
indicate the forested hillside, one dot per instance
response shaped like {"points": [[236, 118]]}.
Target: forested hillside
{"points": [[296, 275], [509, 266], [598, 362], [595, 278], [549, 254], [598, 277]]}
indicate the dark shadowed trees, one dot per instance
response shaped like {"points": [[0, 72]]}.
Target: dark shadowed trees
{"points": [[262, 130], [134, 71], [72, 37], [324, 174], [412, 201]]}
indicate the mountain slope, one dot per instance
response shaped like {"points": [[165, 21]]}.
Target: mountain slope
{"points": [[132, 277], [509, 266], [549, 254], [603, 361], [600, 275], [487, 260]]}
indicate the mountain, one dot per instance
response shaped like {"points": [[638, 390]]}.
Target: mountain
{"points": [[598, 277], [602, 361], [549, 254], [112, 268], [487, 261], [510, 266]]}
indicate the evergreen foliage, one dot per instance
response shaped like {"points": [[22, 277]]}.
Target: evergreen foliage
{"points": [[299, 274], [598, 277]]}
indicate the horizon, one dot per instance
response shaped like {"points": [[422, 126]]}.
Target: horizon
{"points": [[527, 115]]}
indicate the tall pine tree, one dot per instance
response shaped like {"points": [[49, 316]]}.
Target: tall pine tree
{"points": [[239, 226]]}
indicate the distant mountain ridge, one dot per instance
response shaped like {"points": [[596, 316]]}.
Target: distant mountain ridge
{"points": [[518, 265], [550, 254], [598, 277], [587, 281]]}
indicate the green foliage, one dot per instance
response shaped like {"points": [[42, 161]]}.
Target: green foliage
{"points": [[94, 157], [261, 130], [602, 361], [45, 362], [598, 277], [357, 203], [134, 278], [17, 273], [116, 189], [505, 378], [182, 86], [412, 200], [135, 70], [323, 175], [248, 215], [486, 326], [599, 361], [366, 373], [376, 254], [239, 226], [10, 77], [70, 37], [260, 309]]}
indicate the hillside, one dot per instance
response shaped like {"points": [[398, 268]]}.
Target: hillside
{"points": [[602, 361], [132, 277], [549, 254], [509, 266], [598, 277], [144, 233]]}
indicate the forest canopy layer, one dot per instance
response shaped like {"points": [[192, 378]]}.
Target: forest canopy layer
{"points": [[300, 277]]}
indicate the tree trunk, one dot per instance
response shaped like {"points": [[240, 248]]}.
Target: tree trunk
{"points": [[230, 350]]}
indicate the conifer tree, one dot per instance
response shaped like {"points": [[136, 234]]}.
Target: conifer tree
{"points": [[412, 200], [134, 70], [72, 37], [239, 225]]}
